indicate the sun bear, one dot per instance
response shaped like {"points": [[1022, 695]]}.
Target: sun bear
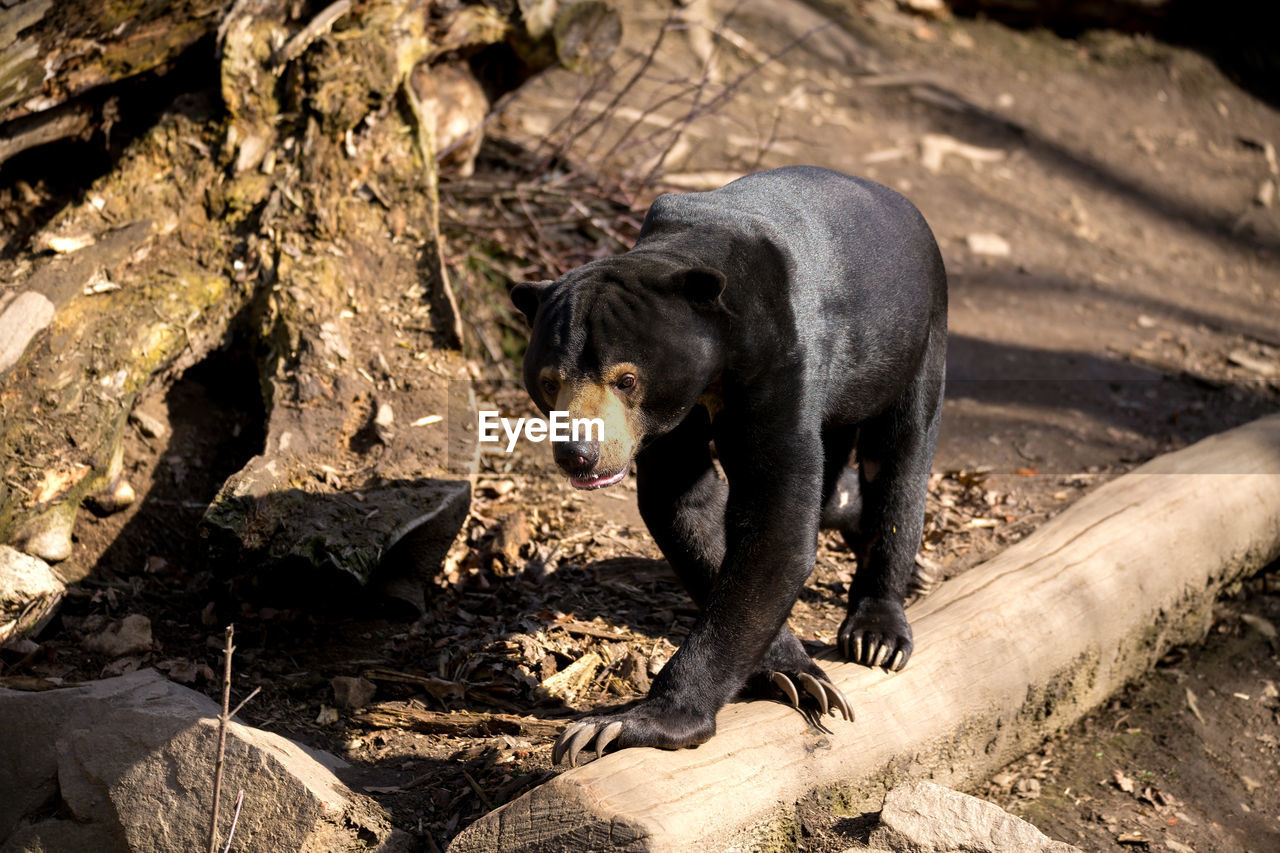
{"points": [[796, 318]]}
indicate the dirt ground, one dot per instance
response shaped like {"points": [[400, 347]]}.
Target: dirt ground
{"points": [[1114, 262]]}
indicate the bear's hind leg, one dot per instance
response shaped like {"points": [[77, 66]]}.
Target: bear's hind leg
{"points": [[895, 453]]}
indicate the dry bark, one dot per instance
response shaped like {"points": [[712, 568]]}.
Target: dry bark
{"points": [[296, 208], [53, 51]]}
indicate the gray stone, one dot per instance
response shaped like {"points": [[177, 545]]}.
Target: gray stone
{"points": [[921, 817], [131, 761], [29, 593]]}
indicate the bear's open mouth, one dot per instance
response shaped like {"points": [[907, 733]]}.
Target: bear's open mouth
{"points": [[600, 482]]}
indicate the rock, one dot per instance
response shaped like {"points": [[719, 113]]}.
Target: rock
{"points": [[351, 693], [148, 424], [50, 541], [29, 593], [454, 99], [21, 318], [131, 635], [988, 244], [921, 817], [130, 761], [117, 496]]}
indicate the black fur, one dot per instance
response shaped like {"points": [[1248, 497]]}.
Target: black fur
{"points": [[813, 305]]}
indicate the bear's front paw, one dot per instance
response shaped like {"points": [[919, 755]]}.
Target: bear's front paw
{"points": [[653, 723], [876, 633]]}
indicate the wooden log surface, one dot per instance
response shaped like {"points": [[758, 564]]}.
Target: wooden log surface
{"points": [[54, 50], [1010, 652]]}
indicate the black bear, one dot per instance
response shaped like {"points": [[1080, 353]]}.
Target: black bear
{"points": [[795, 318]]}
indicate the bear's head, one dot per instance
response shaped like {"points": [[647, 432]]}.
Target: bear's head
{"points": [[632, 341]]}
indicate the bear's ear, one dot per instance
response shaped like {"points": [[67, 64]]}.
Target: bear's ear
{"points": [[701, 285], [527, 296]]}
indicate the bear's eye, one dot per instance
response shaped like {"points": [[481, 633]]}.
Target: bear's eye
{"points": [[626, 382], [550, 387]]}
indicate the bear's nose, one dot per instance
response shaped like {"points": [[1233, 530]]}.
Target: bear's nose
{"points": [[577, 457]]}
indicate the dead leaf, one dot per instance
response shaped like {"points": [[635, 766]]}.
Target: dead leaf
{"points": [[185, 671], [1123, 782], [569, 682], [1194, 705], [1257, 623]]}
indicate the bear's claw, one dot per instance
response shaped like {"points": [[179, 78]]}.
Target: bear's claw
{"points": [[578, 735], [828, 696], [874, 651]]}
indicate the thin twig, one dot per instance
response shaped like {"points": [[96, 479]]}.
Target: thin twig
{"points": [[222, 738], [635, 78], [475, 786], [246, 699], [235, 818], [316, 27], [697, 111]]}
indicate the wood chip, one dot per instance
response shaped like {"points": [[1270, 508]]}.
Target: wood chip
{"points": [[63, 243], [1240, 358], [569, 682], [1194, 706]]}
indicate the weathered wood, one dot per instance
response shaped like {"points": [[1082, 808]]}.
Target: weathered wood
{"points": [[52, 51], [356, 349], [1006, 654], [303, 207], [29, 593], [405, 715], [137, 297], [42, 128], [357, 473]]}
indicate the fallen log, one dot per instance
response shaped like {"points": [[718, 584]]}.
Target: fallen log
{"points": [[294, 216], [135, 291], [1007, 654], [52, 52]]}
